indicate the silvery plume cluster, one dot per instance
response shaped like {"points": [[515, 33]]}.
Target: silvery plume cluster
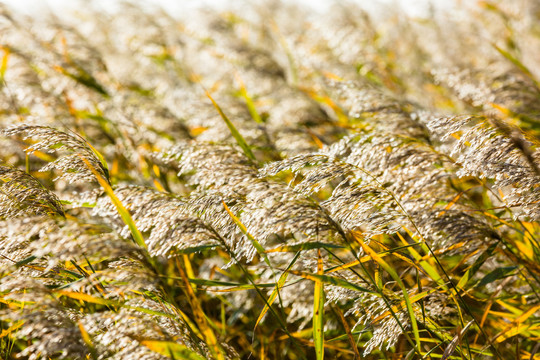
{"points": [[270, 182]]}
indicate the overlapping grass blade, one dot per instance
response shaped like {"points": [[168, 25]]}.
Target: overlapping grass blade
{"points": [[318, 311]]}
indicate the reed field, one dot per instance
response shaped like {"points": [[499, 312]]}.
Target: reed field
{"points": [[270, 182]]}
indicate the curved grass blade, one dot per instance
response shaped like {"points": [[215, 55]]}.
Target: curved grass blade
{"points": [[451, 348], [122, 211], [254, 242], [414, 299], [87, 298], [207, 282], [474, 268], [367, 258], [201, 319], [84, 78], [235, 133], [87, 340], [517, 326], [276, 290], [4, 63], [347, 329], [172, 349], [397, 279], [496, 274], [318, 312], [243, 93]]}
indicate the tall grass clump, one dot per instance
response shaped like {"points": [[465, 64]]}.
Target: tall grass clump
{"points": [[243, 184]]}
